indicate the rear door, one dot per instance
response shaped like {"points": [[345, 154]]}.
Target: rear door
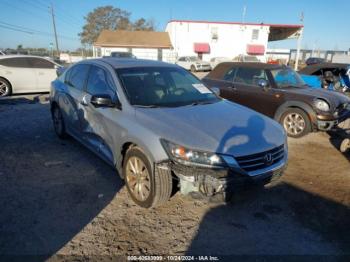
{"points": [[45, 72], [97, 121], [70, 103], [19, 73], [250, 94]]}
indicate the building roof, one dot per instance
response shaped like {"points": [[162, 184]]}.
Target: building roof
{"points": [[141, 39], [277, 31]]}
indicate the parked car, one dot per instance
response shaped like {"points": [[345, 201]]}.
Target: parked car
{"points": [[193, 63], [155, 121], [314, 60], [217, 60], [279, 92], [26, 74], [122, 55], [330, 76]]}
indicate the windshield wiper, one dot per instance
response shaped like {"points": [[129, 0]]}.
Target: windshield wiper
{"points": [[147, 106], [196, 103]]}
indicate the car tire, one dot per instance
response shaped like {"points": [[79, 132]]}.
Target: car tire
{"points": [[146, 188], [5, 87], [193, 69], [295, 122], [58, 123]]}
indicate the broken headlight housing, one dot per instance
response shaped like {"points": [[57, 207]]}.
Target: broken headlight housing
{"points": [[193, 157]]}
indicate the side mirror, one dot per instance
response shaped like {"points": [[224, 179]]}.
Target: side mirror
{"points": [[215, 90], [104, 100], [263, 83]]}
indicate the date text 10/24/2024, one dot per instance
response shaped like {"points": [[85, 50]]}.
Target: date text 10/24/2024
{"points": [[173, 258]]}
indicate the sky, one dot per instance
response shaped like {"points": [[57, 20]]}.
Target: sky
{"points": [[326, 25]]}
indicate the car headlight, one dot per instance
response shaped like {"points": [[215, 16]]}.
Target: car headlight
{"points": [[322, 105], [189, 156]]}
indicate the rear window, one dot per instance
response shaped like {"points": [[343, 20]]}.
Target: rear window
{"points": [[41, 63]]}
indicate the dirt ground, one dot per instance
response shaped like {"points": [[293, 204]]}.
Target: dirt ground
{"points": [[56, 197]]}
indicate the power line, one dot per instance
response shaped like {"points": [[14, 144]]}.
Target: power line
{"points": [[14, 29], [31, 31]]}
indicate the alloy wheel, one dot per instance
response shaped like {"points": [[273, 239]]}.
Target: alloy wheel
{"points": [[3, 88], [294, 124], [138, 178]]}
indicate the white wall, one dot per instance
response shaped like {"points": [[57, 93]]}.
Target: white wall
{"points": [[141, 53], [232, 38]]}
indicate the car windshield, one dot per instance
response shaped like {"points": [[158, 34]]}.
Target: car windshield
{"points": [[163, 87], [251, 59], [287, 77], [193, 58]]}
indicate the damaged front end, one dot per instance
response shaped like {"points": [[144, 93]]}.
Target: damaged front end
{"points": [[209, 174]]}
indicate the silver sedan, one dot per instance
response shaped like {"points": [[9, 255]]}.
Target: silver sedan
{"points": [[160, 127]]}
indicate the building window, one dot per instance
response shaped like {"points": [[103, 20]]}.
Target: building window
{"points": [[255, 34], [214, 34]]}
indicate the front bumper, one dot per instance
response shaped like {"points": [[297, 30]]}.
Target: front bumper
{"points": [[329, 123], [210, 182]]}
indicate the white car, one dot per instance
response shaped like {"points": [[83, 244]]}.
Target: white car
{"points": [[193, 63], [26, 74], [217, 60]]}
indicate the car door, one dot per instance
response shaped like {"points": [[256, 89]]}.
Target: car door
{"points": [[248, 92], [45, 72], [96, 123], [70, 102], [19, 73]]}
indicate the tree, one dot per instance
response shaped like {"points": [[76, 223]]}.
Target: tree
{"points": [[143, 25], [110, 18]]}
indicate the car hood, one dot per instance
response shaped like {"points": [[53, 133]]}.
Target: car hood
{"points": [[333, 97], [221, 127]]}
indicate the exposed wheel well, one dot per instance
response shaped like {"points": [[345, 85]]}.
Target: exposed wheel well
{"points": [[125, 148]]}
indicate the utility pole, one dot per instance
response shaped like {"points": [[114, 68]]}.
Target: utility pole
{"points": [[296, 64], [54, 29]]}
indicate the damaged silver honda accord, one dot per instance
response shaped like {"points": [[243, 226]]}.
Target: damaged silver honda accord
{"points": [[159, 126]]}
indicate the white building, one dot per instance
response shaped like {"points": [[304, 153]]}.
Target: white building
{"points": [[142, 44], [225, 39]]}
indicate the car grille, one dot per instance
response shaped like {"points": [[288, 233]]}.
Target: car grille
{"points": [[261, 160]]}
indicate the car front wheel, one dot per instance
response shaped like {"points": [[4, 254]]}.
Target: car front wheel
{"points": [[58, 123], [146, 188], [193, 69], [295, 122]]}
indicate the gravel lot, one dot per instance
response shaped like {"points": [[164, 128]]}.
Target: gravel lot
{"points": [[59, 198]]}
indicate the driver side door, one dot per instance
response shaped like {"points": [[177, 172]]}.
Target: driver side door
{"points": [[98, 127]]}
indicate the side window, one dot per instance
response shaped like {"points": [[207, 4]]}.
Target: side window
{"points": [[255, 34], [182, 59], [77, 76], [230, 74], [41, 63], [250, 76], [15, 62], [100, 82]]}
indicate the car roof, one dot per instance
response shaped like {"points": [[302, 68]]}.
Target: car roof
{"points": [[16, 56], [118, 63], [222, 68], [313, 68]]}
